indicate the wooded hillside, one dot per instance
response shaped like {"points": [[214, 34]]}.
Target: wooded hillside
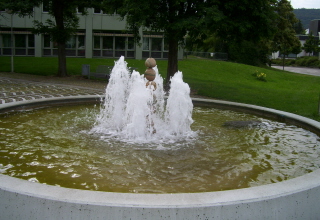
{"points": [[307, 15]]}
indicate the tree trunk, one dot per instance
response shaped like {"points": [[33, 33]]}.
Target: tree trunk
{"points": [[62, 61], [58, 8], [172, 60]]}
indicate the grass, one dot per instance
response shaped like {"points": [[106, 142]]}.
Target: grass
{"points": [[281, 90]]}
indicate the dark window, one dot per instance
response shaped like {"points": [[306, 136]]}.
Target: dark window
{"points": [[120, 43], [107, 43], [20, 40]]}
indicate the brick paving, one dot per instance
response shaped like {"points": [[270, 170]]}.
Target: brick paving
{"points": [[13, 89]]}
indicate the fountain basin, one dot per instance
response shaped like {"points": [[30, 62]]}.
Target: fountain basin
{"points": [[295, 198]]}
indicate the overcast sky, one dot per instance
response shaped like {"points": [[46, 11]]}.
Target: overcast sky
{"points": [[305, 3]]}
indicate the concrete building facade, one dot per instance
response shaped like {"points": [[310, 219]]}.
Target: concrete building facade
{"points": [[99, 35]]}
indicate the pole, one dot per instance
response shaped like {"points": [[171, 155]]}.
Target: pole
{"points": [[12, 42]]}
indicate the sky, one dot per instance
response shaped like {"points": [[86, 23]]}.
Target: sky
{"points": [[305, 3]]}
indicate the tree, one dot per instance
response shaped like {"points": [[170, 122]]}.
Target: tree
{"points": [[229, 20], [298, 27], [311, 45], [172, 17], [63, 24], [243, 29], [285, 39]]}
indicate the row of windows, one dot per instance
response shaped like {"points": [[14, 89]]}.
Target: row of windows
{"points": [[103, 46], [23, 44], [46, 7]]}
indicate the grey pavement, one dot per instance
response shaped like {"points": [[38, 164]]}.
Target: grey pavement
{"points": [[301, 70], [14, 90]]}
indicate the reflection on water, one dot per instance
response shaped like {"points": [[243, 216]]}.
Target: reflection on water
{"points": [[54, 146]]}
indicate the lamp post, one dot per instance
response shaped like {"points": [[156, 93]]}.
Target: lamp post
{"points": [[12, 41]]}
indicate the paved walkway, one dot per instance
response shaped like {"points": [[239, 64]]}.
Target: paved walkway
{"points": [[302, 70], [20, 87]]}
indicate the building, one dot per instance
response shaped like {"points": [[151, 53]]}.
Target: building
{"points": [[314, 27], [99, 35]]}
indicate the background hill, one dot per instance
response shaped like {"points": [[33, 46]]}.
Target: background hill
{"points": [[306, 15]]}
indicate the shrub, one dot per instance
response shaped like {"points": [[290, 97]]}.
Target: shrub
{"points": [[260, 76], [308, 61]]}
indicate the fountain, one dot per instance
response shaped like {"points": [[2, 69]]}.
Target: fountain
{"points": [[140, 117], [134, 107]]}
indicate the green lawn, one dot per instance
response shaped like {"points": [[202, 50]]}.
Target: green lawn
{"points": [[282, 90]]}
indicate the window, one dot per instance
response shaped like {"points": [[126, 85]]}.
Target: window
{"points": [[156, 44], [81, 42], [46, 41], [6, 40], [20, 40], [30, 40], [165, 45], [45, 6], [120, 43], [81, 9], [96, 42], [71, 43], [145, 43], [130, 43], [107, 43], [97, 10]]}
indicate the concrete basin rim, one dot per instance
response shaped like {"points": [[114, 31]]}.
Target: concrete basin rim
{"points": [[184, 200]]}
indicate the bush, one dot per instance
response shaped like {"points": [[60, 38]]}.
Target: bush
{"points": [[301, 61], [308, 61]]}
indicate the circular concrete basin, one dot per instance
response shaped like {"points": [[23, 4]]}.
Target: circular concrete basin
{"points": [[291, 199]]}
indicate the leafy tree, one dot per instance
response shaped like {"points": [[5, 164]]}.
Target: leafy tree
{"points": [[63, 24], [174, 17], [311, 45], [229, 20], [285, 39], [243, 29], [298, 27]]}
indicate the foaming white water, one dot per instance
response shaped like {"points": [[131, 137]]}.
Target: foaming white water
{"points": [[136, 113]]}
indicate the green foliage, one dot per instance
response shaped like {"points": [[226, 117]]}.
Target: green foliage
{"points": [[300, 61], [260, 76], [312, 44], [284, 39], [308, 61], [248, 52], [298, 27]]}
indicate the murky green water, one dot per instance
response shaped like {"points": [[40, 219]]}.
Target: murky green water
{"points": [[54, 146]]}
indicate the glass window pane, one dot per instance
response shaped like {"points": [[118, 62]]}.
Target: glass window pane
{"points": [[20, 40], [107, 43], [130, 43], [45, 6], [165, 45], [96, 42], [156, 44], [120, 43], [71, 43], [145, 43], [97, 10], [6, 40], [81, 41], [30, 40], [20, 51], [46, 41]]}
